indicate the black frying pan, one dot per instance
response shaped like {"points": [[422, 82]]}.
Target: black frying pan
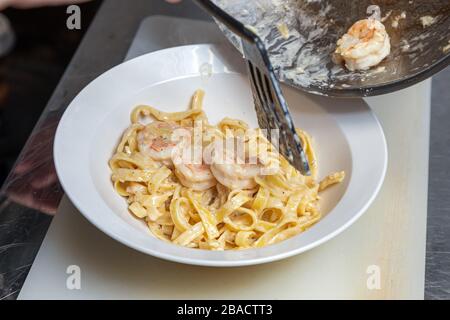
{"points": [[304, 59]]}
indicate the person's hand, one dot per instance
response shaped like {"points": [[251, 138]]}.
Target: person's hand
{"points": [[26, 4]]}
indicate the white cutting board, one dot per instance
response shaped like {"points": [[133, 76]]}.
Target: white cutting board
{"points": [[389, 238]]}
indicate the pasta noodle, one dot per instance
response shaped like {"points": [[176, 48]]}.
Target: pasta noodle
{"points": [[232, 191]]}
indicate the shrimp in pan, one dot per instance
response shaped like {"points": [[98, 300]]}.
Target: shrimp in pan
{"points": [[364, 45], [158, 140]]}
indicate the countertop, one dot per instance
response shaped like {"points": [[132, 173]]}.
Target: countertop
{"points": [[23, 225]]}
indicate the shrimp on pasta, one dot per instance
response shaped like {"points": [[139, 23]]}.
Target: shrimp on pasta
{"points": [[213, 187]]}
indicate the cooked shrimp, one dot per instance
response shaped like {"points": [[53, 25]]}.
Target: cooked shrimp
{"points": [[236, 176], [196, 176], [158, 141], [364, 45], [232, 170]]}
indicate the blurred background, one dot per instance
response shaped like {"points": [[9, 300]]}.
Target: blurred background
{"points": [[30, 71]]}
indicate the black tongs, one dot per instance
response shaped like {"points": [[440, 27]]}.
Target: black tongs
{"points": [[271, 107]]}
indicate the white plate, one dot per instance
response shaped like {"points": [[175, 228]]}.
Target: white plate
{"points": [[346, 133]]}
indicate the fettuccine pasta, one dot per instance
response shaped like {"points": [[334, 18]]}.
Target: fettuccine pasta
{"points": [[213, 187]]}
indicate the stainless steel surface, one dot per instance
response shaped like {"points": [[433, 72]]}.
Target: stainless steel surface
{"points": [[23, 223], [437, 276]]}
